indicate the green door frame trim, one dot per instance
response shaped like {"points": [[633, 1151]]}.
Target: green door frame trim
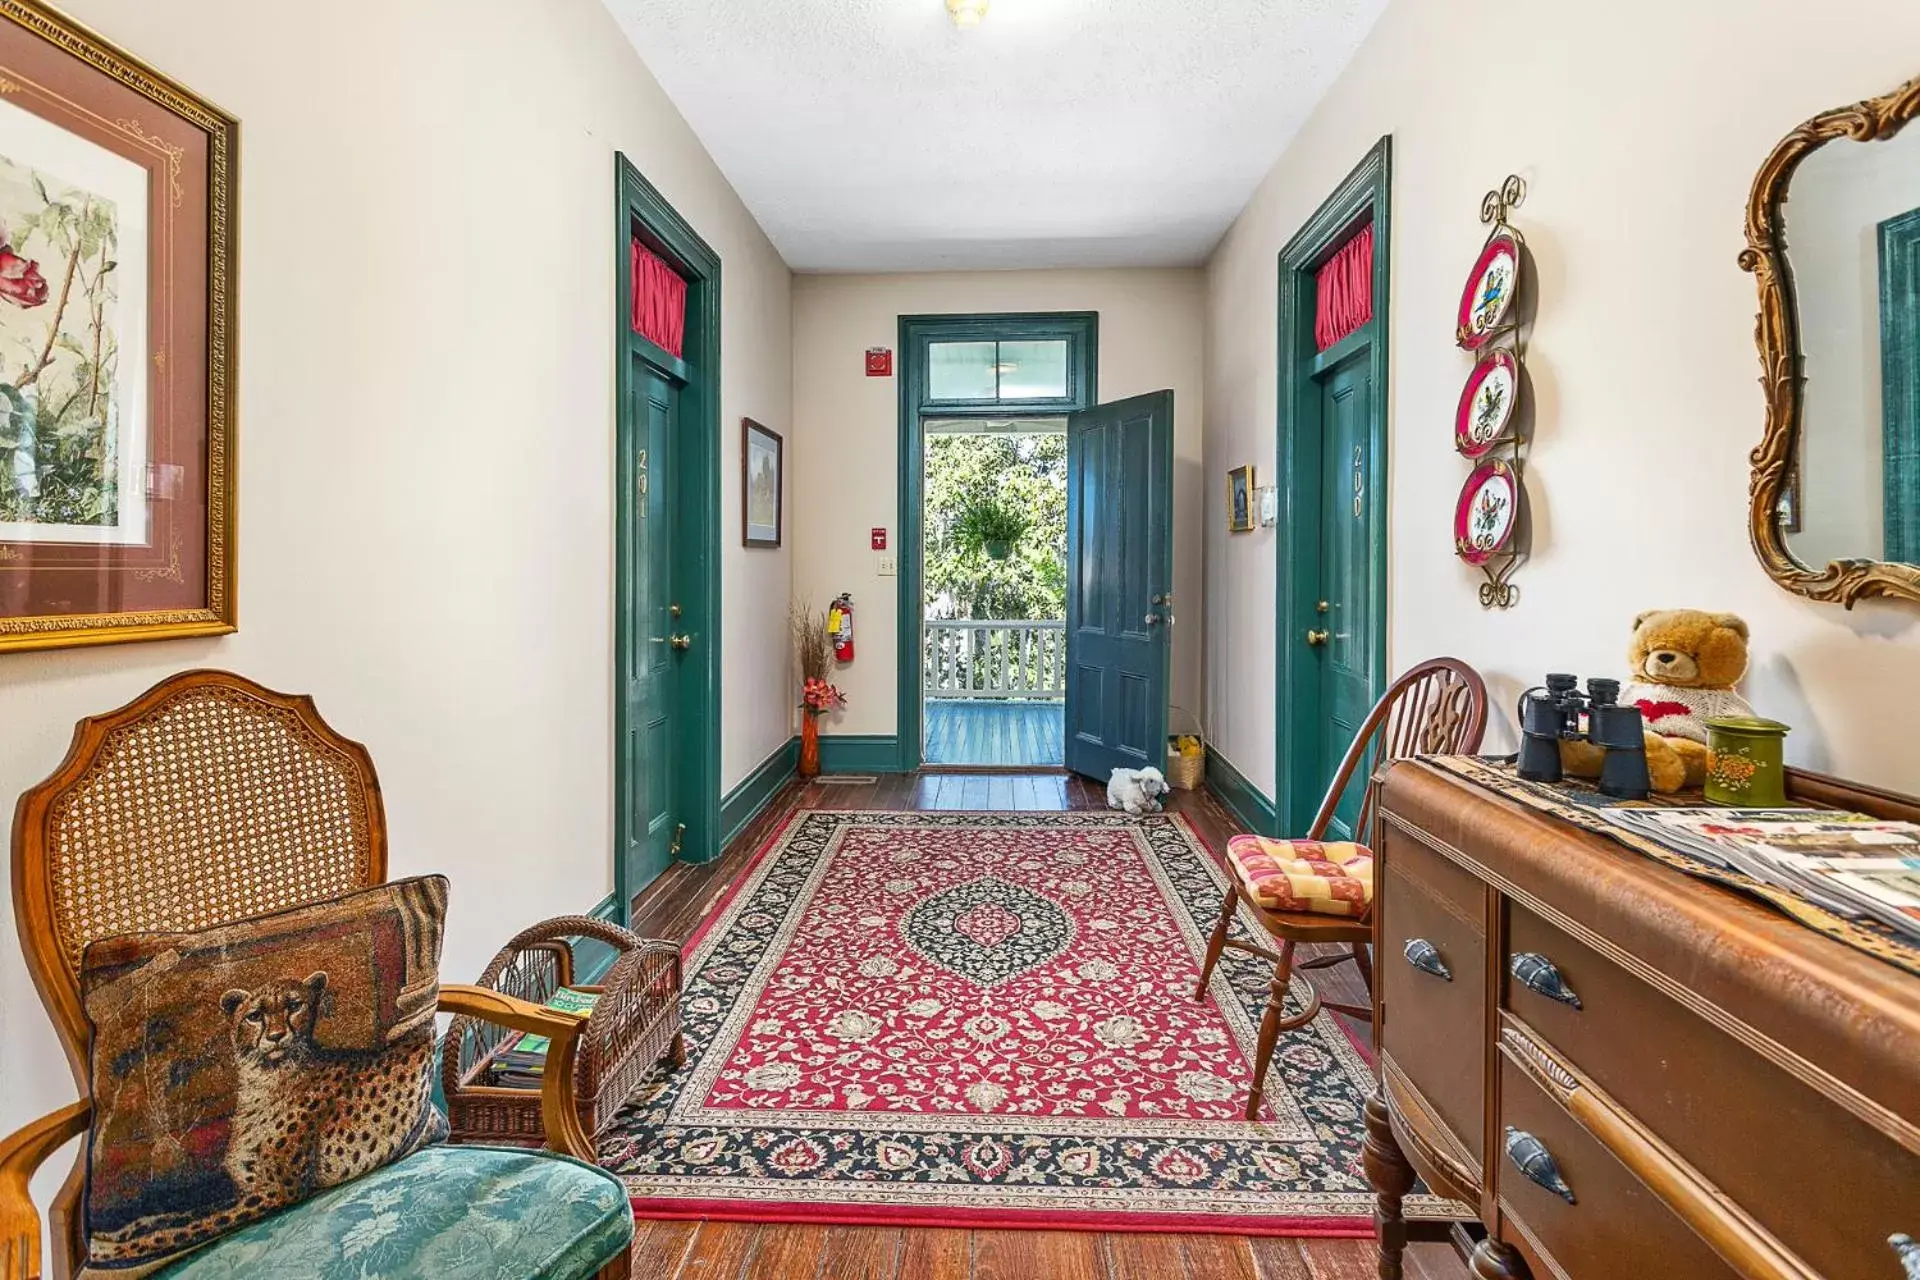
{"points": [[640, 210], [1082, 331], [1899, 239], [1365, 194]]}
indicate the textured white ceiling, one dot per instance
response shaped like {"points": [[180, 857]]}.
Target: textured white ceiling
{"points": [[870, 135]]}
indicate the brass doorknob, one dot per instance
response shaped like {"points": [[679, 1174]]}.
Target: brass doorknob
{"points": [[680, 641], [1316, 638]]}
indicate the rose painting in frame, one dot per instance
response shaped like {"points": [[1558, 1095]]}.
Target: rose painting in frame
{"points": [[72, 349], [116, 286]]}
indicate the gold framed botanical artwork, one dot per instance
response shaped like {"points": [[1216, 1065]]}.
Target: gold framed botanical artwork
{"points": [[1240, 499], [117, 262]]}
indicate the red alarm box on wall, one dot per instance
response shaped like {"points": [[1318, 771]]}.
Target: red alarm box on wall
{"points": [[879, 362]]}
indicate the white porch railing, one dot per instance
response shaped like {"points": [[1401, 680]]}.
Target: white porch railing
{"points": [[967, 659]]}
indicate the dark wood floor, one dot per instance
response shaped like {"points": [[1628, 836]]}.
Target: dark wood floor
{"points": [[671, 907]]}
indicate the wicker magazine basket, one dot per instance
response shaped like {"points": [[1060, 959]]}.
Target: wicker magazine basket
{"points": [[635, 1023]]}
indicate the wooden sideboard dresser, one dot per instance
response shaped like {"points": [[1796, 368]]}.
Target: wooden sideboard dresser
{"points": [[1732, 1095]]}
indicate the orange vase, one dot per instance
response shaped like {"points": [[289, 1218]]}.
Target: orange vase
{"points": [[809, 745]]}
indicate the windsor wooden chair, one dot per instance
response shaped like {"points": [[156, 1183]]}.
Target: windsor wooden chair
{"points": [[211, 799], [1437, 708]]}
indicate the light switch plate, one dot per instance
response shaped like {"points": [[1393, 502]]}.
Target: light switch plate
{"points": [[889, 567]]}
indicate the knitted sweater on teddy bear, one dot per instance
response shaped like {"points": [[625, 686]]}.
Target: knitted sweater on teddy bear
{"points": [[1682, 713]]}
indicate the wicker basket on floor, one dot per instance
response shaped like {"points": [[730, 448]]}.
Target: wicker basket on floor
{"points": [[1186, 773], [635, 1023]]}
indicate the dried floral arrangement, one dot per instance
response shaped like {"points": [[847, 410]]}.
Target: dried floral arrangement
{"points": [[815, 654]]}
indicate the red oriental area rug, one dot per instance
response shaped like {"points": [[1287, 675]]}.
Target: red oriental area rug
{"points": [[949, 1019]]}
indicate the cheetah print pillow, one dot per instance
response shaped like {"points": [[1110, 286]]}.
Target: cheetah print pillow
{"points": [[243, 1068]]}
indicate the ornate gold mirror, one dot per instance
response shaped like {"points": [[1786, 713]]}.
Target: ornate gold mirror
{"points": [[1836, 480]]}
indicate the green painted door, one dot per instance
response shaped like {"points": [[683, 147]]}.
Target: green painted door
{"points": [[652, 663], [1900, 384], [1338, 562], [1119, 583]]}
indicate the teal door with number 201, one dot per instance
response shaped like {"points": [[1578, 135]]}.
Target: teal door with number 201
{"points": [[652, 663], [1120, 583]]}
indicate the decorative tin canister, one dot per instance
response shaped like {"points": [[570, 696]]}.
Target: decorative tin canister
{"points": [[1745, 762]]}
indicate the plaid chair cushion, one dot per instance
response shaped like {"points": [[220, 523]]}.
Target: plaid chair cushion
{"points": [[1303, 875]]}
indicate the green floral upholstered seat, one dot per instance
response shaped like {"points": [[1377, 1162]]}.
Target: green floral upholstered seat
{"points": [[445, 1212]]}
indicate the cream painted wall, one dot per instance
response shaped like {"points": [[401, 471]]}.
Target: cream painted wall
{"points": [[846, 480], [1638, 127], [426, 428]]}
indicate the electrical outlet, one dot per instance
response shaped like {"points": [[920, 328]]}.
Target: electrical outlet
{"points": [[888, 566]]}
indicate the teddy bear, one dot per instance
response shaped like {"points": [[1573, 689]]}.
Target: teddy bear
{"points": [[1683, 664]]}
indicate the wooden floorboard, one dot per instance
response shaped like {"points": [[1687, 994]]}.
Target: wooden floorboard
{"points": [[673, 906], [989, 731]]}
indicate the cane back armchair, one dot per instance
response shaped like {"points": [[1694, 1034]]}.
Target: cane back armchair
{"points": [[1437, 708], [206, 800]]}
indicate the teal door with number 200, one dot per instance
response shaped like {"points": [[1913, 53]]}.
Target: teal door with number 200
{"points": [[1331, 538], [1119, 583]]}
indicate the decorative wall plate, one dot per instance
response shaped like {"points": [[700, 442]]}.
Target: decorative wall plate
{"points": [[1487, 403], [1488, 513], [1491, 289]]}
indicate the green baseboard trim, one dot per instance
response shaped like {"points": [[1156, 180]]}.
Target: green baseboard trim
{"points": [[743, 804], [860, 753], [592, 959], [1242, 798]]}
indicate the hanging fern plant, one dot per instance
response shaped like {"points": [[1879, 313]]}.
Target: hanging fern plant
{"points": [[990, 528]]}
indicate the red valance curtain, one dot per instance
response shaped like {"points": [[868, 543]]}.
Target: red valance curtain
{"points": [[659, 300], [1344, 290]]}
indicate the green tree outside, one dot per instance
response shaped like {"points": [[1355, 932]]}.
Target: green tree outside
{"points": [[1026, 472]]}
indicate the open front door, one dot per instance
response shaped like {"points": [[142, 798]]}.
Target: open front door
{"points": [[1119, 583]]}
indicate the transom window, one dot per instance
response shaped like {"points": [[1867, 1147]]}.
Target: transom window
{"points": [[994, 370]]}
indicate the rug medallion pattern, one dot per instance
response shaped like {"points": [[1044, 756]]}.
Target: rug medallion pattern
{"points": [[983, 1019]]}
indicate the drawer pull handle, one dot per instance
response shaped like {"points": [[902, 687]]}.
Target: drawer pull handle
{"points": [[1537, 974], [1424, 956], [1908, 1251], [1531, 1157]]}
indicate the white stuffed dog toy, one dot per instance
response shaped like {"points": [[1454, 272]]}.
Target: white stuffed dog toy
{"points": [[1137, 791]]}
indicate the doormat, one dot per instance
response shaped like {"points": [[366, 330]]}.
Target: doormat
{"points": [[988, 1020]]}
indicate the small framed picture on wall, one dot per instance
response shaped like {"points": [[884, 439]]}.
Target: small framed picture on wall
{"points": [[1240, 512], [762, 481]]}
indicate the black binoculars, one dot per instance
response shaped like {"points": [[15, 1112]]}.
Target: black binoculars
{"points": [[1554, 714]]}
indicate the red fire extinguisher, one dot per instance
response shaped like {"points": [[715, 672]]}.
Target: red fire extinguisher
{"points": [[840, 627]]}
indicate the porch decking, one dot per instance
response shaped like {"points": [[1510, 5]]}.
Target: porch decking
{"points": [[996, 731]]}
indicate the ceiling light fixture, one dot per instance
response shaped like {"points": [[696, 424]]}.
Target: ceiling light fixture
{"points": [[966, 14]]}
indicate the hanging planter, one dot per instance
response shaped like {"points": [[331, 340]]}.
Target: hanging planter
{"points": [[991, 528]]}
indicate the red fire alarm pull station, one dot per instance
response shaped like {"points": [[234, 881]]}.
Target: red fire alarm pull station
{"points": [[879, 362], [879, 539]]}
